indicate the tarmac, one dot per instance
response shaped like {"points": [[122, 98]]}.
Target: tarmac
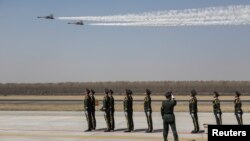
{"points": [[70, 126]]}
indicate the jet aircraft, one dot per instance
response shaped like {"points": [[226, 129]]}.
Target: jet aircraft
{"points": [[77, 23], [51, 17]]}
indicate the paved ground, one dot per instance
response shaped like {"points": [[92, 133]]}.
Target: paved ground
{"points": [[64, 126]]}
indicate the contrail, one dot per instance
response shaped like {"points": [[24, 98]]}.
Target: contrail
{"points": [[230, 15]]}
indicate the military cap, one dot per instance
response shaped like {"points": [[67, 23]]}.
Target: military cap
{"points": [[148, 91], [193, 92], [237, 93], [106, 91], [92, 91], [168, 94], [111, 91], [216, 94], [87, 90]]}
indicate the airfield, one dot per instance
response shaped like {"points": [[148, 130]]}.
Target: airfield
{"points": [[70, 125]]}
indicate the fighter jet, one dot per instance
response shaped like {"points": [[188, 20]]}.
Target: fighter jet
{"points": [[51, 17], [77, 23]]}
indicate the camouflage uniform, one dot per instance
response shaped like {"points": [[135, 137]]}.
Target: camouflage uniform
{"points": [[167, 113], [148, 110], [93, 109], [87, 110], [106, 109], [131, 109], [216, 109], [128, 111], [193, 109], [237, 109], [112, 110]]}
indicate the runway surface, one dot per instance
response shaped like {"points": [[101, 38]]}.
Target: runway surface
{"points": [[64, 126]]}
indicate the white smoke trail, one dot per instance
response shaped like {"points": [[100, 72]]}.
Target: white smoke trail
{"points": [[230, 15]]}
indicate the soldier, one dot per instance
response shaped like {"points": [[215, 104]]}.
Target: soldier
{"points": [[127, 110], [112, 110], [193, 111], [167, 113], [131, 109], [106, 109], [92, 97], [237, 106], [87, 110], [148, 110], [216, 108]]}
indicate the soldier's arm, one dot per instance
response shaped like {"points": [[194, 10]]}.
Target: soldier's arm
{"points": [[162, 110], [175, 102], [191, 105], [214, 102], [93, 101], [103, 105], [85, 103], [126, 105], [149, 104], [235, 101]]}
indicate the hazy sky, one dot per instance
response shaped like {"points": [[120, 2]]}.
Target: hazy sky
{"points": [[39, 50]]}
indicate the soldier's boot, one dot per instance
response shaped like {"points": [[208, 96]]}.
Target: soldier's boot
{"points": [[193, 131], [197, 129], [112, 123], [165, 137], [175, 136], [94, 124], [151, 130], [107, 130], [150, 125], [241, 120], [88, 130], [88, 117], [127, 130]]}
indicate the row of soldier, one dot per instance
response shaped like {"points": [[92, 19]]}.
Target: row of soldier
{"points": [[166, 110]]}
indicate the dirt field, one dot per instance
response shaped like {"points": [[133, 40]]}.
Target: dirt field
{"points": [[117, 97], [181, 107]]}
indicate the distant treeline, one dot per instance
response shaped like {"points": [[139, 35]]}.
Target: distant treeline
{"points": [[157, 87]]}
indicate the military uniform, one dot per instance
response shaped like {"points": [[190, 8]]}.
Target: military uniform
{"points": [[237, 109], [106, 109], [148, 111], [167, 113], [193, 109], [131, 100], [112, 111], [216, 109], [92, 97], [128, 111], [87, 110]]}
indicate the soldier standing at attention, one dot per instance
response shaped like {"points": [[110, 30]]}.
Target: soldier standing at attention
{"points": [[148, 110], [216, 108], [106, 109], [167, 113], [92, 97], [127, 111], [193, 111], [87, 110], [112, 110], [237, 108], [131, 109]]}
